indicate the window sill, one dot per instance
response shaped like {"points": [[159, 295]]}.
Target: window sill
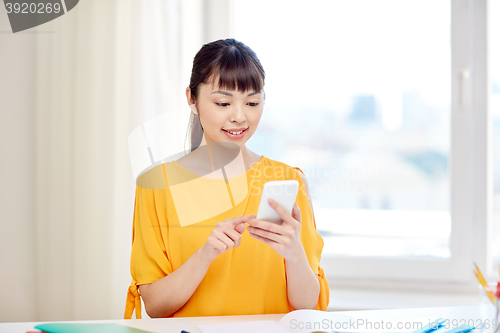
{"points": [[344, 299]]}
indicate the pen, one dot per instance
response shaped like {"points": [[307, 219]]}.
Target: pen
{"points": [[461, 329], [480, 277], [482, 281], [434, 325], [486, 289]]}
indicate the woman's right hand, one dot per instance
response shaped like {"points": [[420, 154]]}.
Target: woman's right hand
{"points": [[225, 235]]}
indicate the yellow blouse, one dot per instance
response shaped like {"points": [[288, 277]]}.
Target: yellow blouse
{"points": [[161, 243]]}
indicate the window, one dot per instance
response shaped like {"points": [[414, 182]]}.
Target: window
{"points": [[362, 95]]}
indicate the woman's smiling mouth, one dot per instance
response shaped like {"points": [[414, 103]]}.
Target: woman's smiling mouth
{"points": [[235, 134]]}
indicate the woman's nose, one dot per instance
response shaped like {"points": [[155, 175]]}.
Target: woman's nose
{"points": [[238, 114]]}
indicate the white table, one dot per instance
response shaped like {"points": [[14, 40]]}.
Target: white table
{"points": [[189, 323], [166, 325]]}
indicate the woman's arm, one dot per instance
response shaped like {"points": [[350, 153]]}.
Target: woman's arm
{"points": [[297, 283], [168, 294], [302, 284]]}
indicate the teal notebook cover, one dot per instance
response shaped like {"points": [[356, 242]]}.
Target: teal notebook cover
{"points": [[87, 328]]}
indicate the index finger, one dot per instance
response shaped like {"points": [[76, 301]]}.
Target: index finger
{"points": [[239, 219]]}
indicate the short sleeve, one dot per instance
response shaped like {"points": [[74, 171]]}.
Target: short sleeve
{"points": [[312, 243], [149, 261]]}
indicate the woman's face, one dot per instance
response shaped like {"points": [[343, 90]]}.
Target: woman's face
{"points": [[221, 111]]}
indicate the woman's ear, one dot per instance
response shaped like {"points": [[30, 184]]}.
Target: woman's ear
{"points": [[191, 101]]}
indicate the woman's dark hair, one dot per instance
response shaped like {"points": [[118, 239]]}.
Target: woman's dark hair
{"points": [[237, 67]]}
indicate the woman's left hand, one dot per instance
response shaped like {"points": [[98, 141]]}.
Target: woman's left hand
{"points": [[284, 238]]}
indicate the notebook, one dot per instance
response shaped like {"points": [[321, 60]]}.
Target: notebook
{"points": [[297, 321], [307, 321], [87, 328]]}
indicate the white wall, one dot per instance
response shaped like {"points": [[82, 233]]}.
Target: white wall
{"points": [[17, 247]]}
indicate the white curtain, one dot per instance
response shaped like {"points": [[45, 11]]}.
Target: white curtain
{"points": [[104, 71], [99, 71]]}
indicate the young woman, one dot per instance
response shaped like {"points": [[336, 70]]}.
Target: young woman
{"points": [[193, 254]]}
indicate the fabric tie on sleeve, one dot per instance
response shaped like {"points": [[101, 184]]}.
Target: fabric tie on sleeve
{"points": [[133, 301]]}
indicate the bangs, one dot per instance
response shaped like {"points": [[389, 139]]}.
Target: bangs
{"points": [[238, 71]]}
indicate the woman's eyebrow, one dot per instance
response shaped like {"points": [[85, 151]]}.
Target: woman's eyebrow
{"points": [[222, 92]]}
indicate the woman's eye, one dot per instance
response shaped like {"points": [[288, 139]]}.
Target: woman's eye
{"points": [[222, 104], [253, 104]]}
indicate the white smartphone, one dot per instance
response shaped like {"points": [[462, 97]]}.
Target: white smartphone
{"points": [[283, 192]]}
